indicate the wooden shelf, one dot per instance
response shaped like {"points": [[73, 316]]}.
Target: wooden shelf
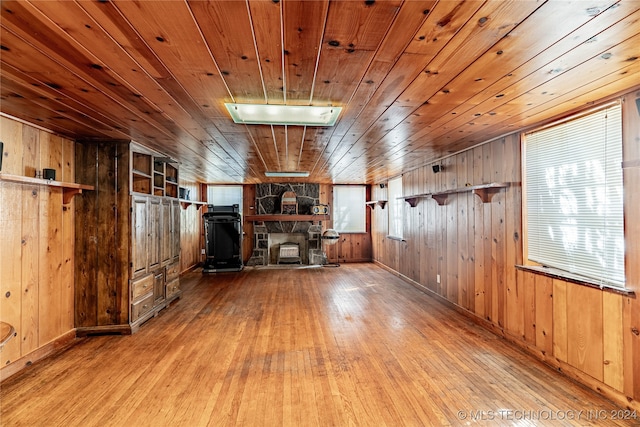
{"points": [[285, 217], [69, 189], [141, 173], [141, 163], [372, 204], [153, 175], [484, 191], [186, 203]]}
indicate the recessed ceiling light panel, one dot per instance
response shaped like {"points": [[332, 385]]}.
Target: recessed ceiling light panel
{"points": [[293, 115], [287, 174]]}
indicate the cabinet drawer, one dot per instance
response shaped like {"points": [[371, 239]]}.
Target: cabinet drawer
{"points": [[173, 271], [173, 288], [141, 287], [142, 307]]}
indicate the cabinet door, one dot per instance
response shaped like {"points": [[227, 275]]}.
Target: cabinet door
{"points": [[165, 236], [153, 248], [139, 258], [158, 288], [175, 229]]}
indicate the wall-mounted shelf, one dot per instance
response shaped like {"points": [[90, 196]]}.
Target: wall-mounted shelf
{"points": [[69, 189], [186, 203], [372, 204], [484, 191]]}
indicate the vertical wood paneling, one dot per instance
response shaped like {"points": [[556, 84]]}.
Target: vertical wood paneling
{"points": [[68, 161], [10, 266], [544, 314], [487, 225], [11, 133], [451, 209], [560, 319], [190, 224], [106, 209], [462, 231], [191, 228], [628, 336], [67, 287], [31, 150], [584, 330], [51, 152], [86, 248], [36, 242], [248, 202], [470, 238], [498, 243], [479, 237], [475, 246], [529, 307], [50, 313], [30, 265], [103, 251], [412, 245], [613, 351], [512, 238], [67, 174]]}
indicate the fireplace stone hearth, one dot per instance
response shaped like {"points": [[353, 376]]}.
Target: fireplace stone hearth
{"points": [[307, 233]]}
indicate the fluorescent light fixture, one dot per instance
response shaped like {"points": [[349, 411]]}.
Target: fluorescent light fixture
{"points": [[291, 174], [295, 115]]}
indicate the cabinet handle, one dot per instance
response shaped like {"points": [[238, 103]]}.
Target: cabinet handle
{"points": [[145, 306]]}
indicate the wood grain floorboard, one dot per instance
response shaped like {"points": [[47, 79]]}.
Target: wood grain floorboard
{"points": [[348, 346]]}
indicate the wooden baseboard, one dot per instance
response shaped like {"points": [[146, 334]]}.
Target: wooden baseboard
{"points": [[557, 365], [103, 330], [352, 260], [47, 350], [193, 267]]}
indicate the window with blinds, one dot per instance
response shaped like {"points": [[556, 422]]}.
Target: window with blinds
{"points": [[396, 210], [225, 195], [574, 196], [349, 215]]}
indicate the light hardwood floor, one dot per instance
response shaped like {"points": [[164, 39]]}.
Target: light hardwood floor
{"points": [[343, 346]]}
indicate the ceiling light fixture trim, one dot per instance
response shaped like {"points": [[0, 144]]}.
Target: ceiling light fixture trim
{"points": [[286, 174], [292, 115]]}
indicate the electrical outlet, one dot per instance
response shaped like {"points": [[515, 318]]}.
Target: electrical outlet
{"points": [[203, 252], [437, 278]]}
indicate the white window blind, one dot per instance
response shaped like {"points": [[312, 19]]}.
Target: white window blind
{"points": [[574, 196], [396, 207], [349, 215], [225, 195]]}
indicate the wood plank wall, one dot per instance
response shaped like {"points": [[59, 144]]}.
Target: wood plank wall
{"points": [[351, 247], [191, 228], [36, 241], [590, 334], [248, 208]]}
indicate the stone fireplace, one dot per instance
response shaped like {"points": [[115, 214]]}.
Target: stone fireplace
{"points": [[272, 228]]}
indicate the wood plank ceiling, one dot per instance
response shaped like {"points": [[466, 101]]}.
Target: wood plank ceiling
{"points": [[417, 79]]}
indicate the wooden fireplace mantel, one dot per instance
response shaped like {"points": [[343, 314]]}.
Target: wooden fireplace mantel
{"points": [[286, 217]]}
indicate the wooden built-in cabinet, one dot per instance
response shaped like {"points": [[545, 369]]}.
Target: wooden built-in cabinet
{"points": [[128, 255]]}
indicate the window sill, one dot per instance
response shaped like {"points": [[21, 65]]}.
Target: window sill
{"points": [[399, 239], [573, 278]]}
